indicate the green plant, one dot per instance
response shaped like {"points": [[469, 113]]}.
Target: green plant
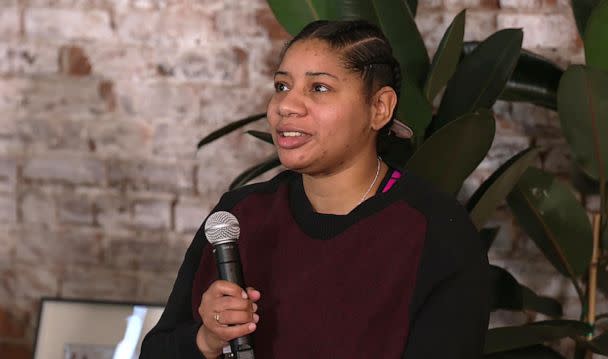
{"points": [[453, 139]]}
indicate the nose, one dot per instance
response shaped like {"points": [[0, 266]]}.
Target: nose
{"points": [[291, 104]]}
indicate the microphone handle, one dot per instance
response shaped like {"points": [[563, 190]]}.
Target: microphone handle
{"points": [[229, 269]]}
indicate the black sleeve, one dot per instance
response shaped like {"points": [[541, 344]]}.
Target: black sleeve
{"points": [[174, 336], [452, 318]]}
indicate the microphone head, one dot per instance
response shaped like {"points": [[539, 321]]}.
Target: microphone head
{"points": [[222, 227]]}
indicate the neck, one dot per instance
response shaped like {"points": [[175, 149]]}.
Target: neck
{"points": [[341, 191]]}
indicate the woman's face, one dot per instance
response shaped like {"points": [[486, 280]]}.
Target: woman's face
{"points": [[318, 115]]}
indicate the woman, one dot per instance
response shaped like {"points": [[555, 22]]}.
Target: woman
{"points": [[346, 256]]}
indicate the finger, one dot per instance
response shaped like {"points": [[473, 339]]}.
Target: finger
{"points": [[221, 288], [228, 333], [231, 317], [253, 294], [231, 303]]}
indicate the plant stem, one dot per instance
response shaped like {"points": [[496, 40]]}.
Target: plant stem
{"points": [[592, 282]]}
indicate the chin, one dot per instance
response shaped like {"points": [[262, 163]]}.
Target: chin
{"points": [[292, 162]]}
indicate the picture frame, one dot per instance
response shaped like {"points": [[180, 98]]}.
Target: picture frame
{"points": [[92, 329]]}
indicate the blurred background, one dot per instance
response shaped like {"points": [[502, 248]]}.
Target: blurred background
{"points": [[102, 103]]}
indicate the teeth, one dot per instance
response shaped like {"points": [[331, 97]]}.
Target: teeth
{"points": [[292, 134]]}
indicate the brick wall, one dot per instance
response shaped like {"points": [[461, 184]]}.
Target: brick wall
{"points": [[102, 103]]}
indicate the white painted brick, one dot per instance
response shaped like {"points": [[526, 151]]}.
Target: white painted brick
{"points": [[155, 287], [542, 30], [8, 208], [38, 207], [176, 27], [33, 283], [109, 284], [68, 168], [68, 23], [113, 136], [125, 62], [8, 239], [32, 57], [149, 175], [152, 213], [12, 95], [161, 99], [502, 149], [189, 214], [479, 25], [75, 209], [65, 96], [432, 25], [8, 174], [9, 22], [42, 134], [113, 211], [520, 4], [66, 246], [211, 65]]}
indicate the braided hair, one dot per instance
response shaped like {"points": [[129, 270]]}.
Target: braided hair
{"points": [[363, 49]]}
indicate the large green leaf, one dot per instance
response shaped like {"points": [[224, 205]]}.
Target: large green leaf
{"points": [[414, 110], [398, 25], [535, 79], [582, 102], [351, 10], [509, 338], [582, 182], [480, 77], [254, 171], [264, 136], [596, 37], [551, 215], [508, 294], [533, 352], [599, 344], [495, 189], [293, 15], [448, 157], [413, 6], [582, 9], [446, 58], [229, 128]]}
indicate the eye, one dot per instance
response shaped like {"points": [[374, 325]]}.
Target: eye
{"points": [[320, 88], [280, 87]]}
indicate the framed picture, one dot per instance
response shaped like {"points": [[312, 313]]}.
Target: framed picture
{"points": [[79, 328]]}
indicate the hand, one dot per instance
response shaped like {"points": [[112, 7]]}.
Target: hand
{"points": [[228, 312]]}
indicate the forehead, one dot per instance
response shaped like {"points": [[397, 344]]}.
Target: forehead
{"points": [[312, 56]]}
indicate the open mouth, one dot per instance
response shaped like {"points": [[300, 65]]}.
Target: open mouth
{"points": [[292, 139], [292, 134]]}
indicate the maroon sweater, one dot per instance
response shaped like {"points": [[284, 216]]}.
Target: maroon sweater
{"points": [[402, 272]]}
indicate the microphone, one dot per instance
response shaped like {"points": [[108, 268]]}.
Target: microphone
{"points": [[222, 230]]}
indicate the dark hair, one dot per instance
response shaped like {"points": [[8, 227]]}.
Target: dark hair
{"points": [[363, 49]]}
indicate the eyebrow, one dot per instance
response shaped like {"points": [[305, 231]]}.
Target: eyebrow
{"points": [[308, 73]]}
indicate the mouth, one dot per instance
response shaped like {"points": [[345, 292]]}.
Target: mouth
{"points": [[292, 139], [292, 134]]}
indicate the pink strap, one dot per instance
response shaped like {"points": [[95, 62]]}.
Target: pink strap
{"points": [[394, 177]]}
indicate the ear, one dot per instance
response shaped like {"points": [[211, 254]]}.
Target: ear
{"points": [[383, 105]]}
